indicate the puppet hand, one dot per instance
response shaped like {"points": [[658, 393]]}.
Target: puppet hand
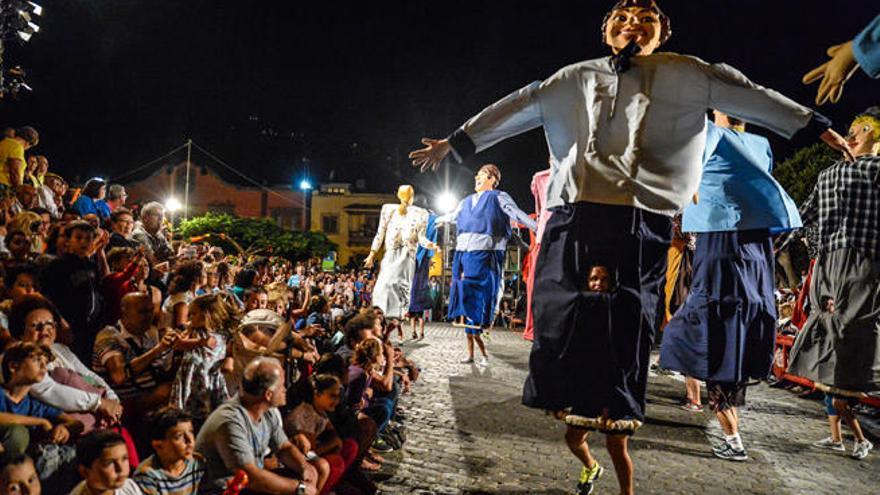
{"points": [[368, 263], [431, 155], [833, 74], [837, 142]]}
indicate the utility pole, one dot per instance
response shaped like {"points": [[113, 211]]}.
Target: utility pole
{"points": [[189, 143]]}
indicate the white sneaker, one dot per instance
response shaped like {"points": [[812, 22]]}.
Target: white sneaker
{"points": [[829, 444], [861, 449], [484, 361]]}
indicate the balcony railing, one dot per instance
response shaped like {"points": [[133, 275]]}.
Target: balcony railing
{"points": [[360, 238]]}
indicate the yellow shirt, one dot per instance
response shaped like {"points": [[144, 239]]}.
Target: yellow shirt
{"points": [[11, 148]]}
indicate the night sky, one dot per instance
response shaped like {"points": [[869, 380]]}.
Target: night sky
{"points": [[283, 88]]}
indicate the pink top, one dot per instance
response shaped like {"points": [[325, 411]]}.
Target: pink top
{"points": [[539, 191]]}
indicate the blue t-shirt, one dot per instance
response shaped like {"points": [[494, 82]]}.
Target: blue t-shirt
{"points": [[28, 407], [293, 281]]}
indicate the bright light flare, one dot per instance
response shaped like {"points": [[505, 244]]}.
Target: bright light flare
{"points": [[305, 185], [446, 202], [173, 205]]}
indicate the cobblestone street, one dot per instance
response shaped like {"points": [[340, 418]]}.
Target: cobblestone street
{"points": [[468, 433]]}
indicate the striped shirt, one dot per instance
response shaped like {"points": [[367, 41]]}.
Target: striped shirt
{"points": [[116, 341], [154, 480]]}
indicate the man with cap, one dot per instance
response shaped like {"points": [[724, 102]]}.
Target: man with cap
{"points": [[626, 135], [483, 229], [839, 345]]}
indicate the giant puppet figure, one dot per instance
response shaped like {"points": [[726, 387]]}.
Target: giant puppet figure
{"points": [[482, 230], [726, 330], [626, 135], [839, 346], [401, 230]]}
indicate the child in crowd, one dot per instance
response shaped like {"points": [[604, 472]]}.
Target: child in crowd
{"points": [[200, 384], [174, 468], [18, 476], [102, 461], [310, 427], [24, 364]]}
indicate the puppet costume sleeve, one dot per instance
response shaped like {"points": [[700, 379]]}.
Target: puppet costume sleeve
{"points": [[866, 48]]}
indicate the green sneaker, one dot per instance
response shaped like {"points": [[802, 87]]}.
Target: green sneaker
{"points": [[588, 477]]}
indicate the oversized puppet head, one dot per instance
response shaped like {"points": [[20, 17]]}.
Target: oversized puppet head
{"points": [[641, 21], [864, 133], [487, 178], [405, 194]]}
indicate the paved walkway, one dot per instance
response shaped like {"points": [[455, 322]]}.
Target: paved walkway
{"points": [[468, 434]]}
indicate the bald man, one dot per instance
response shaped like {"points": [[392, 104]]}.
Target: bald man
{"points": [[240, 432]]}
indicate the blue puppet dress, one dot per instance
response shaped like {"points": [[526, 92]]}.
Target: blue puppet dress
{"points": [[726, 329], [420, 298], [483, 229]]}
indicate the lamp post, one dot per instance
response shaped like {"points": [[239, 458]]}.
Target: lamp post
{"points": [[305, 186]]}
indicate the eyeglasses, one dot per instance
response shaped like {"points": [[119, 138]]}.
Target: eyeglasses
{"points": [[40, 325]]}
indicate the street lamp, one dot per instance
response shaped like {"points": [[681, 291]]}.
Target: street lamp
{"points": [[305, 186], [173, 205]]}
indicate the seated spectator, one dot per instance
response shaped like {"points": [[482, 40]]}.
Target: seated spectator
{"points": [[71, 281], [25, 198], [102, 461], [174, 467], [18, 476], [45, 194], [116, 197], [121, 228], [181, 292], [200, 384], [69, 385], [311, 429], [91, 200], [244, 280], [19, 247], [134, 358], [357, 329], [351, 424], [24, 364], [57, 188], [240, 433], [150, 233], [256, 298]]}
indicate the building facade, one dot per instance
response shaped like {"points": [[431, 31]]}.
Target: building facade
{"points": [[211, 192], [350, 219]]}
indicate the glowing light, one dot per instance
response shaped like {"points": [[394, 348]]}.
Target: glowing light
{"points": [[305, 185], [446, 202], [173, 205]]}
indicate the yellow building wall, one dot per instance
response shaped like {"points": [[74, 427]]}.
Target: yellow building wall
{"points": [[349, 221]]}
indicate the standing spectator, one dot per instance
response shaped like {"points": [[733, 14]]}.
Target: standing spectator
{"points": [[71, 281], [12, 162], [45, 194], [121, 228], [150, 233], [240, 433], [116, 197], [91, 201]]}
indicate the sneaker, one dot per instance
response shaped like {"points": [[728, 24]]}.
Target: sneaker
{"points": [[588, 477], [726, 452], [861, 449], [381, 446], [692, 407], [829, 444], [484, 361], [469, 360]]}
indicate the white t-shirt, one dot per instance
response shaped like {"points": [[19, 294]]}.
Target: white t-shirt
{"points": [[129, 488]]}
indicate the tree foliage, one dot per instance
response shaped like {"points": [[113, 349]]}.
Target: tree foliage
{"points": [[799, 172], [256, 236]]}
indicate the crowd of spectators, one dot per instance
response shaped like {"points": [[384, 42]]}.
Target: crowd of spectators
{"points": [[134, 362]]}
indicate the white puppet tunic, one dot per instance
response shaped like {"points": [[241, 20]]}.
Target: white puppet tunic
{"points": [[401, 236]]}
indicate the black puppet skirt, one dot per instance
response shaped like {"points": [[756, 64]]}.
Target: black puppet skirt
{"points": [[591, 351]]}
